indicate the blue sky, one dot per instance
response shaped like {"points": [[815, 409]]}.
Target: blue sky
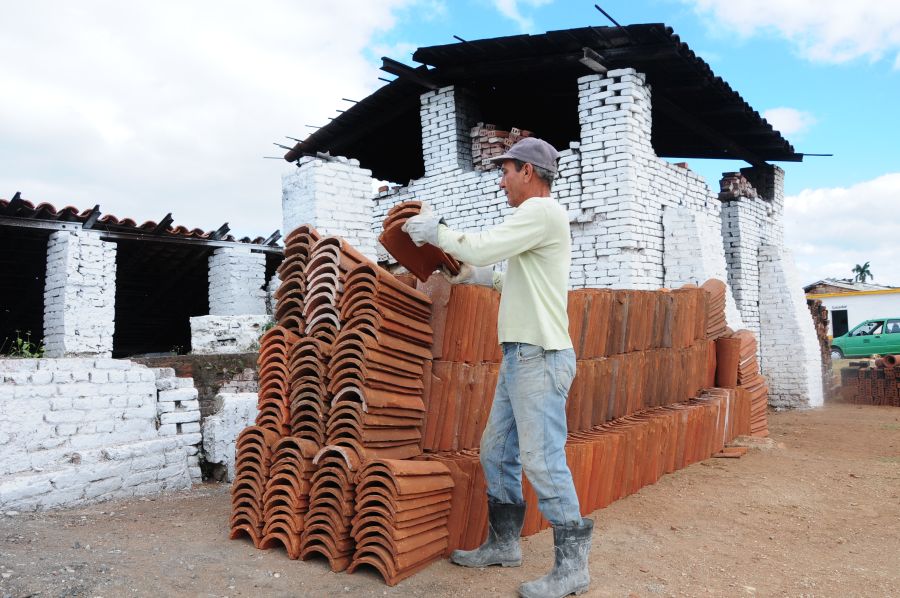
{"points": [[147, 108]]}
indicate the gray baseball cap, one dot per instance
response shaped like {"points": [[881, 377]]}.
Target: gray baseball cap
{"points": [[533, 150]]}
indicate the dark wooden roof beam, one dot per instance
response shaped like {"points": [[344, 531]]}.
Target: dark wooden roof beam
{"points": [[407, 72], [164, 224], [14, 204], [220, 232], [92, 218]]}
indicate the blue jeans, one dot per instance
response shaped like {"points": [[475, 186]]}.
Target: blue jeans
{"points": [[527, 429]]}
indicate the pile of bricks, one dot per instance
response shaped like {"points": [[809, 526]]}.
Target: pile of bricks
{"points": [[737, 367], [489, 142], [364, 372], [866, 385], [402, 510], [608, 462], [340, 385], [820, 321]]}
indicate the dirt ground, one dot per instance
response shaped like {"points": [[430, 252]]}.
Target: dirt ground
{"points": [[817, 514]]}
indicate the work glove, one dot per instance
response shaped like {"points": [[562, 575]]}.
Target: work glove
{"points": [[424, 227], [483, 276]]}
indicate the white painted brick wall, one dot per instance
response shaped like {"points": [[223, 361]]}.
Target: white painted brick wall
{"points": [[693, 254], [79, 430], [333, 196], [234, 412], [236, 280], [790, 355], [79, 295]]}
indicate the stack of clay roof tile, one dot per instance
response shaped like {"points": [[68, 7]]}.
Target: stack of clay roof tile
{"points": [[623, 339], [273, 405], [421, 261], [750, 379], [402, 509], [377, 366], [608, 462], [462, 378], [605, 322], [286, 499], [331, 499], [488, 142], [613, 387], [716, 325], [291, 294], [464, 321], [459, 396], [254, 456]]}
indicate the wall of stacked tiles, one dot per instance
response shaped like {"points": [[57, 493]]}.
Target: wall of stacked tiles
{"points": [[79, 295], [643, 358], [80, 430]]}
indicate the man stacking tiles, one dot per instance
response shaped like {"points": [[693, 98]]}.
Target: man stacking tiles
{"points": [[527, 425]]}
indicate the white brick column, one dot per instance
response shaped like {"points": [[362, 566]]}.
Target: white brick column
{"points": [[751, 216], [790, 356], [79, 295], [614, 111], [335, 196], [236, 280], [447, 116]]}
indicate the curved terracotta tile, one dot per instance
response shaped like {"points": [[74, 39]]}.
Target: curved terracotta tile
{"points": [[291, 287], [245, 530], [285, 537], [304, 231]]}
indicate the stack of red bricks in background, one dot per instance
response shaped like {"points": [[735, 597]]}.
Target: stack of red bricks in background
{"points": [[866, 385], [340, 402], [488, 142], [823, 333]]}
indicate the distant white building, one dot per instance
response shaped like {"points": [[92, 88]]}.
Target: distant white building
{"points": [[850, 303]]}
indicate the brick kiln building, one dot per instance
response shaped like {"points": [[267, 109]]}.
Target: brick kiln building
{"points": [[615, 101]]}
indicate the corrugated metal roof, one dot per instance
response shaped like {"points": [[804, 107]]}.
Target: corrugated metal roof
{"points": [[696, 114]]}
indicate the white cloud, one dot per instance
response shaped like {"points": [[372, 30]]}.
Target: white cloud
{"points": [[789, 121], [831, 230], [830, 31], [511, 9], [146, 108]]}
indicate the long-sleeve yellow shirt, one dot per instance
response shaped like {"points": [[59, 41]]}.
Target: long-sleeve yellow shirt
{"points": [[534, 291]]}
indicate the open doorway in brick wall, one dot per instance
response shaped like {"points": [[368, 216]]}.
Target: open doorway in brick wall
{"points": [[23, 266], [159, 287]]}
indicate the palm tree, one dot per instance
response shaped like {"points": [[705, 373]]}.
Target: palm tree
{"points": [[863, 272]]}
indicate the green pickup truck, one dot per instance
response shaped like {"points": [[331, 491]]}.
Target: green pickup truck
{"points": [[880, 336]]}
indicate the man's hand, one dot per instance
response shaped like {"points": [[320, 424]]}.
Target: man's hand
{"points": [[483, 276], [424, 227]]}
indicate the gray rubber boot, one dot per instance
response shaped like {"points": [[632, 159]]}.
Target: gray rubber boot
{"points": [[502, 545], [571, 545]]}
